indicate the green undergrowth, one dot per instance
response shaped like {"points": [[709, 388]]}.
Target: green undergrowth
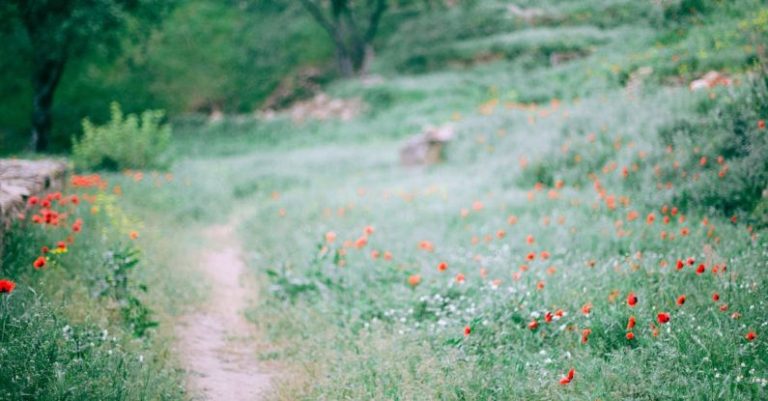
{"points": [[84, 321]]}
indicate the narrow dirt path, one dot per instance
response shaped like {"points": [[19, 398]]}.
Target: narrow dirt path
{"points": [[216, 343]]}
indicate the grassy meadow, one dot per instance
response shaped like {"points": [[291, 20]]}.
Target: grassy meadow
{"points": [[586, 219]]}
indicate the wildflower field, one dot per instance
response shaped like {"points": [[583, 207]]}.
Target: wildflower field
{"points": [[592, 233]]}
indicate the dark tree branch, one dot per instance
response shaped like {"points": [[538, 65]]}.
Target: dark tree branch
{"points": [[317, 13], [352, 25], [378, 12]]}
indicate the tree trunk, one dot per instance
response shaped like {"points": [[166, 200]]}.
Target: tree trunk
{"points": [[45, 79], [344, 61], [350, 56]]}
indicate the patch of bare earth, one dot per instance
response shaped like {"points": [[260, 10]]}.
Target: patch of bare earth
{"points": [[217, 345]]}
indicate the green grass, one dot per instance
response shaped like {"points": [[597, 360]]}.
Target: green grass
{"points": [[357, 330], [361, 332], [350, 327], [82, 326]]}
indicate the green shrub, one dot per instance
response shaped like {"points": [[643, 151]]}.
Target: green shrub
{"points": [[734, 176], [124, 142]]}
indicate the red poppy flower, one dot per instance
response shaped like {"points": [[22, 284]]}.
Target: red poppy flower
{"points": [[61, 245], [691, 261], [650, 218], [760, 124], [500, 234], [631, 299], [7, 286], [663, 317], [330, 236], [544, 255], [530, 256], [631, 323], [32, 201], [530, 240], [442, 266], [680, 300], [715, 297], [701, 269], [361, 242], [548, 317], [368, 230], [533, 325], [467, 331], [44, 249], [460, 278], [585, 335], [630, 336], [39, 262], [414, 280], [680, 264], [586, 309], [568, 378], [375, 254], [427, 246], [750, 336]]}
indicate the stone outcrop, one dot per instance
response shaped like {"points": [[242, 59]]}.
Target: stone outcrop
{"points": [[426, 148], [20, 179]]}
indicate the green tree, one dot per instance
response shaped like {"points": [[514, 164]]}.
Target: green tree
{"points": [[62, 30], [352, 26]]}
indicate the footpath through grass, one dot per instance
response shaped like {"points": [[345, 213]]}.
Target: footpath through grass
{"points": [[576, 226], [569, 233]]}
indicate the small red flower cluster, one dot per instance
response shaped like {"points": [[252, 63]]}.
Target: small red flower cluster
{"points": [[53, 211], [88, 181], [7, 286]]}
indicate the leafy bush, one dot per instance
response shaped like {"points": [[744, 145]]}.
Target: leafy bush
{"points": [[726, 151], [124, 142], [678, 10]]}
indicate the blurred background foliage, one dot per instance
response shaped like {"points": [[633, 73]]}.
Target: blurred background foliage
{"points": [[239, 56]]}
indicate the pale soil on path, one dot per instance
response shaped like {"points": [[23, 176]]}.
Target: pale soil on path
{"points": [[217, 345]]}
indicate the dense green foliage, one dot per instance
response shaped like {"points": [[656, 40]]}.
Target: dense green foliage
{"points": [[77, 328], [212, 55], [125, 142], [734, 132], [56, 32], [205, 55]]}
